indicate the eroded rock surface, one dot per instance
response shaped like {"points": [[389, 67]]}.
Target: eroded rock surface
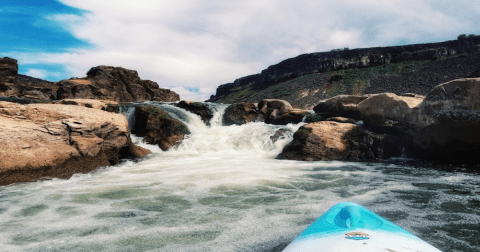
{"points": [[54, 140]]}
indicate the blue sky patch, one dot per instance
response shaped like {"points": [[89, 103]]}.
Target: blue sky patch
{"points": [[25, 27]]}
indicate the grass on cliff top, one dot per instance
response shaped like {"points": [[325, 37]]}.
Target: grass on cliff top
{"points": [[354, 81]]}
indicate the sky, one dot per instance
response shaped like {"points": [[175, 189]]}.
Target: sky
{"points": [[193, 46]]}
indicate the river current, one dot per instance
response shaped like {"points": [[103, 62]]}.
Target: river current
{"points": [[223, 190]]}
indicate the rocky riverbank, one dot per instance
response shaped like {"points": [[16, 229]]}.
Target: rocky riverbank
{"points": [[58, 140]]}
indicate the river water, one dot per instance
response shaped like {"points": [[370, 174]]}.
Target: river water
{"points": [[223, 190]]}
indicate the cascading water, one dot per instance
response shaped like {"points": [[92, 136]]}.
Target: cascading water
{"points": [[223, 190]]}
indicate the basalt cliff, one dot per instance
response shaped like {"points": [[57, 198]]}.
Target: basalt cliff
{"points": [[306, 79]]}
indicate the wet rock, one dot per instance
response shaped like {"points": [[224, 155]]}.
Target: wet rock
{"points": [[341, 105], [311, 118], [280, 134], [55, 140], [339, 141], [198, 108], [158, 127], [240, 113]]}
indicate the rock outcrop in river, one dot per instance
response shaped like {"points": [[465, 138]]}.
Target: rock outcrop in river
{"points": [[158, 127], [57, 140], [102, 82], [443, 126]]}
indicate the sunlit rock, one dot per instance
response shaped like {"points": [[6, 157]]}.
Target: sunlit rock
{"points": [[55, 140], [339, 141]]}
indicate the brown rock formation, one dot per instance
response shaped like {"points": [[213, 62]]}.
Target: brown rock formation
{"points": [[240, 113], [449, 120], [338, 141], [8, 73], [102, 82], [158, 127], [53, 140], [114, 83]]}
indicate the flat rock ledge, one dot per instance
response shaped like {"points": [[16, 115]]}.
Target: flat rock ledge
{"points": [[56, 141]]}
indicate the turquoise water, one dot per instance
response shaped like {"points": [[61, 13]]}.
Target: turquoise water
{"points": [[223, 190]]}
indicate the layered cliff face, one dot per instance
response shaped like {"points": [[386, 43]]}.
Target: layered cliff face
{"points": [[102, 82], [308, 78]]}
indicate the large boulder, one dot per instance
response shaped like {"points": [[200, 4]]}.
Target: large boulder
{"points": [[240, 113], [448, 120], [54, 140], [198, 108], [340, 106], [328, 140], [273, 108], [378, 109], [443, 126], [158, 127]]}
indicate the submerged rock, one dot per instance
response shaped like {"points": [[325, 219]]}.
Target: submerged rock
{"points": [[240, 113], [158, 127], [55, 140], [198, 108], [339, 141]]}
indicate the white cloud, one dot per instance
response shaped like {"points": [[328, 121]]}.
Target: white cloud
{"points": [[205, 43], [40, 73]]}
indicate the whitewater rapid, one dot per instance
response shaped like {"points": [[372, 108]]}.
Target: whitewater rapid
{"points": [[223, 190]]}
